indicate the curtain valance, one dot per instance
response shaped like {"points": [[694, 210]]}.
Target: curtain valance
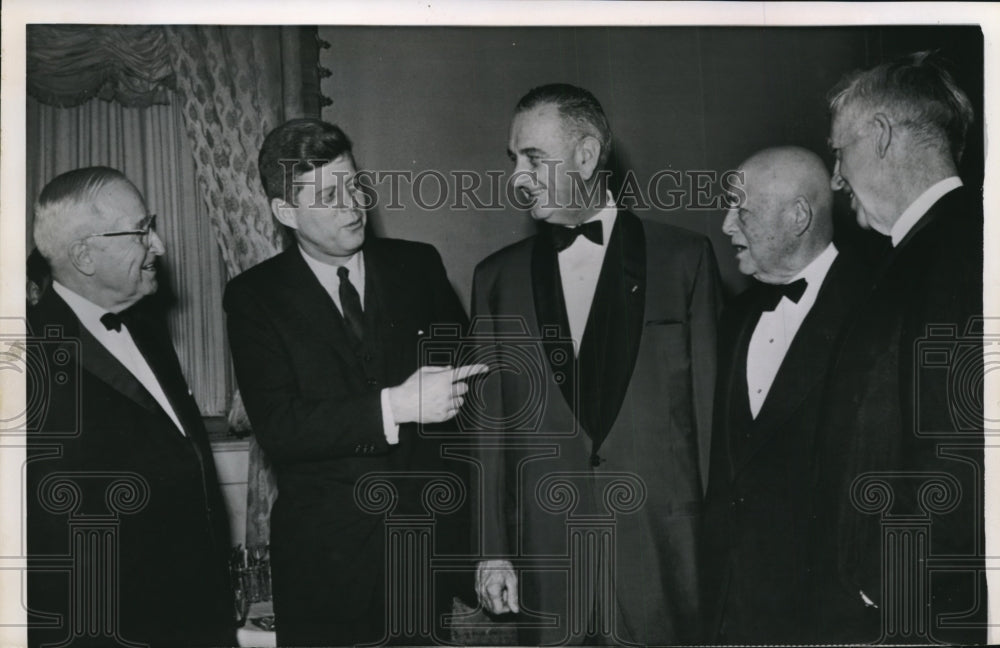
{"points": [[70, 64]]}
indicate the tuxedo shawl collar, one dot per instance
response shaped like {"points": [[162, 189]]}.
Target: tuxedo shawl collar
{"points": [[610, 343]]}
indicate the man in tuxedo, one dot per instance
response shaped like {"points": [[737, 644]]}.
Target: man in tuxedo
{"points": [[607, 479], [326, 341], [121, 486], [903, 418], [776, 341]]}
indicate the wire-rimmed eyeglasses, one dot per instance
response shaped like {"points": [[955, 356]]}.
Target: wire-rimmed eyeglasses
{"points": [[148, 225]]}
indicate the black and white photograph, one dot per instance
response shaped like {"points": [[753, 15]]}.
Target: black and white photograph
{"points": [[529, 323]]}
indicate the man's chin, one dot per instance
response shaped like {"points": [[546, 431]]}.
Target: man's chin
{"points": [[539, 214]]}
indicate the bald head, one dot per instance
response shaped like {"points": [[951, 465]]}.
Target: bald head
{"points": [[785, 218]]}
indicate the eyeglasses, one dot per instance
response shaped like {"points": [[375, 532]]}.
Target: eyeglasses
{"points": [[148, 225]]}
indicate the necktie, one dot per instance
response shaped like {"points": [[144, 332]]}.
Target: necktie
{"points": [[563, 237], [774, 292], [350, 302], [112, 322]]}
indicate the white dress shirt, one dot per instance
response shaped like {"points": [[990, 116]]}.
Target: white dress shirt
{"points": [[776, 329], [919, 207], [119, 344], [327, 276], [580, 267]]}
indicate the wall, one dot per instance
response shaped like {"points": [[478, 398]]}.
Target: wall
{"points": [[441, 98]]}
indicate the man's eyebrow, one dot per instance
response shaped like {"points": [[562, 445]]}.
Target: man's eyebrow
{"points": [[529, 152]]}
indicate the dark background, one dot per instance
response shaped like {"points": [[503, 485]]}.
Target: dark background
{"points": [[680, 98]]}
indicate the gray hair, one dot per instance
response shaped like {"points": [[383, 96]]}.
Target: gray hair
{"points": [[65, 208], [915, 91]]}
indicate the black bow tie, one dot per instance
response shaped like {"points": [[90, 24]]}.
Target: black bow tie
{"points": [[774, 292], [112, 322], [563, 237]]}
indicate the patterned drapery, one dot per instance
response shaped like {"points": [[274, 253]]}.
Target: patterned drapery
{"points": [[236, 84], [68, 65]]}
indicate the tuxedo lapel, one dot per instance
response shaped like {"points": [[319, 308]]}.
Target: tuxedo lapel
{"points": [[316, 305], [153, 341], [951, 202], [804, 364], [613, 332], [736, 409], [95, 359], [550, 309]]}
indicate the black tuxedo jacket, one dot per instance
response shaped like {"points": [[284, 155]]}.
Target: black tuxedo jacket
{"points": [[628, 442], [755, 563], [904, 398], [94, 421], [314, 403]]}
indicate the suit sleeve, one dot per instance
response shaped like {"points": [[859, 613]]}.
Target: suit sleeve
{"points": [[489, 448], [703, 312], [292, 426]]}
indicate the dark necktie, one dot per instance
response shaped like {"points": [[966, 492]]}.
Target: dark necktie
{"points": [[112, 322], [563, 237], [774, 292], [350, 302]]}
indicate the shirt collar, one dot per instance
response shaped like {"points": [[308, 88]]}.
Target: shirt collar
{"points": [[815, 272], [85, 310], [919, 207], [328, 272]]}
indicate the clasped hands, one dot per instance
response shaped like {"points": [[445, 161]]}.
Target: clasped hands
{"points": [[432, 394]]}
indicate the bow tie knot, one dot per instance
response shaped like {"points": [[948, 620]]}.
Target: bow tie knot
{"points": [[774, 292], [112, 322], [563, 237]]}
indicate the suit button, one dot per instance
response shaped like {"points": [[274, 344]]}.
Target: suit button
{"points": [[372, 382], [595, 460], [357, 448]]}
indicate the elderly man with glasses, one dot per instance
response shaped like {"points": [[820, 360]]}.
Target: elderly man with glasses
{"points": [[127, 530]]}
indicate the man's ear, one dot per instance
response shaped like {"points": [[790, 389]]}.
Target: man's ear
{"points": [[883, 134], [802, 215], [78, 254], [284, 213], [588, 152]]}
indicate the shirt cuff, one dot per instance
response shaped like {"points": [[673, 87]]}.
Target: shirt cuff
{"points": [[389, 427]]}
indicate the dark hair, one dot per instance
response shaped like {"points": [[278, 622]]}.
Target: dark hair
{"points": [[579, 109], [917, 92], [294, 148]]}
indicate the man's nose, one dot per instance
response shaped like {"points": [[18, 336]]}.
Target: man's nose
{"points": [[156, 243], [729, 223], [836, 180]]}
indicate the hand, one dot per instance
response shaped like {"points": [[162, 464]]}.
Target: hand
{"points": [[496, 586], [432, 394]]}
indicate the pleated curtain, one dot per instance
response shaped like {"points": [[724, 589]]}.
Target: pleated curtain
{"points": [[149, 145]]}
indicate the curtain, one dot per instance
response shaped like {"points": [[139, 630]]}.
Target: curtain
{"points": [[150, 146], [70, 64], [236, 84]]}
